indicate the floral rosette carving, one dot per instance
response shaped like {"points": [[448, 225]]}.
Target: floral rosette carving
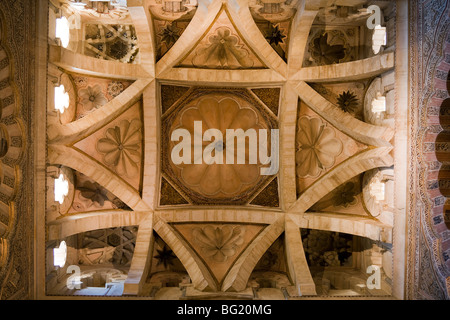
{"points": [[121, 147], [317, 147], [222, 51], [92, 97], [219, 243], [219, 180]]}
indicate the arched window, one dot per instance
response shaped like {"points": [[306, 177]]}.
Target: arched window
{"points": [[379, 38], [377, 190], [61, 99], [379, 104], [60, 255], [61, 188], [63, 31]]}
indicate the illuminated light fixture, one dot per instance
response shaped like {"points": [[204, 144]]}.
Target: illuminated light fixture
{"points": [[379, 104], [379, 38], [61, 188], [60, 255], [61, 99], [63, 31]]}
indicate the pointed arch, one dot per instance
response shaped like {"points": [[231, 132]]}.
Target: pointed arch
{"points": [[237, 277], [198, 272], [358, 130], [142, 22], [67, 226], [71, 158], [361, 162], [348, 71], [202, 20], [302, 24], [67, 133]]}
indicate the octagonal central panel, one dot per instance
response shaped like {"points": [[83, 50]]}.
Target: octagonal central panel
{"points": [[201, 158]]}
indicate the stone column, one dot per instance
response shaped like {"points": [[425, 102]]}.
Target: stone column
{"points": [[401, 150]]}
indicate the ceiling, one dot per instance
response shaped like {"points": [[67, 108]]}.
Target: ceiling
{"points": [[135, 218]]}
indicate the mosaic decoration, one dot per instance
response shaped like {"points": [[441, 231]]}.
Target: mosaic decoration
{"points": [[170, 196], [268, 197], [270, 97], [170, 94]]}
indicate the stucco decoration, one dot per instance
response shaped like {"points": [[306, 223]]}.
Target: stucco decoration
{"points": [[346, 199], [121, 147], [219, 243], [274, 258], [92, 97], [90, 196], [348, 96], [335, 44], [169, 23], [12, 143], [274, 20], [317, 147], [93, 92], [225, 179], [320, 146], [325, 53], [118, 146], [222, 51], [107, 246], [164, 260], [324, 248], [112, 42], [220, 110], [222, 48]]}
